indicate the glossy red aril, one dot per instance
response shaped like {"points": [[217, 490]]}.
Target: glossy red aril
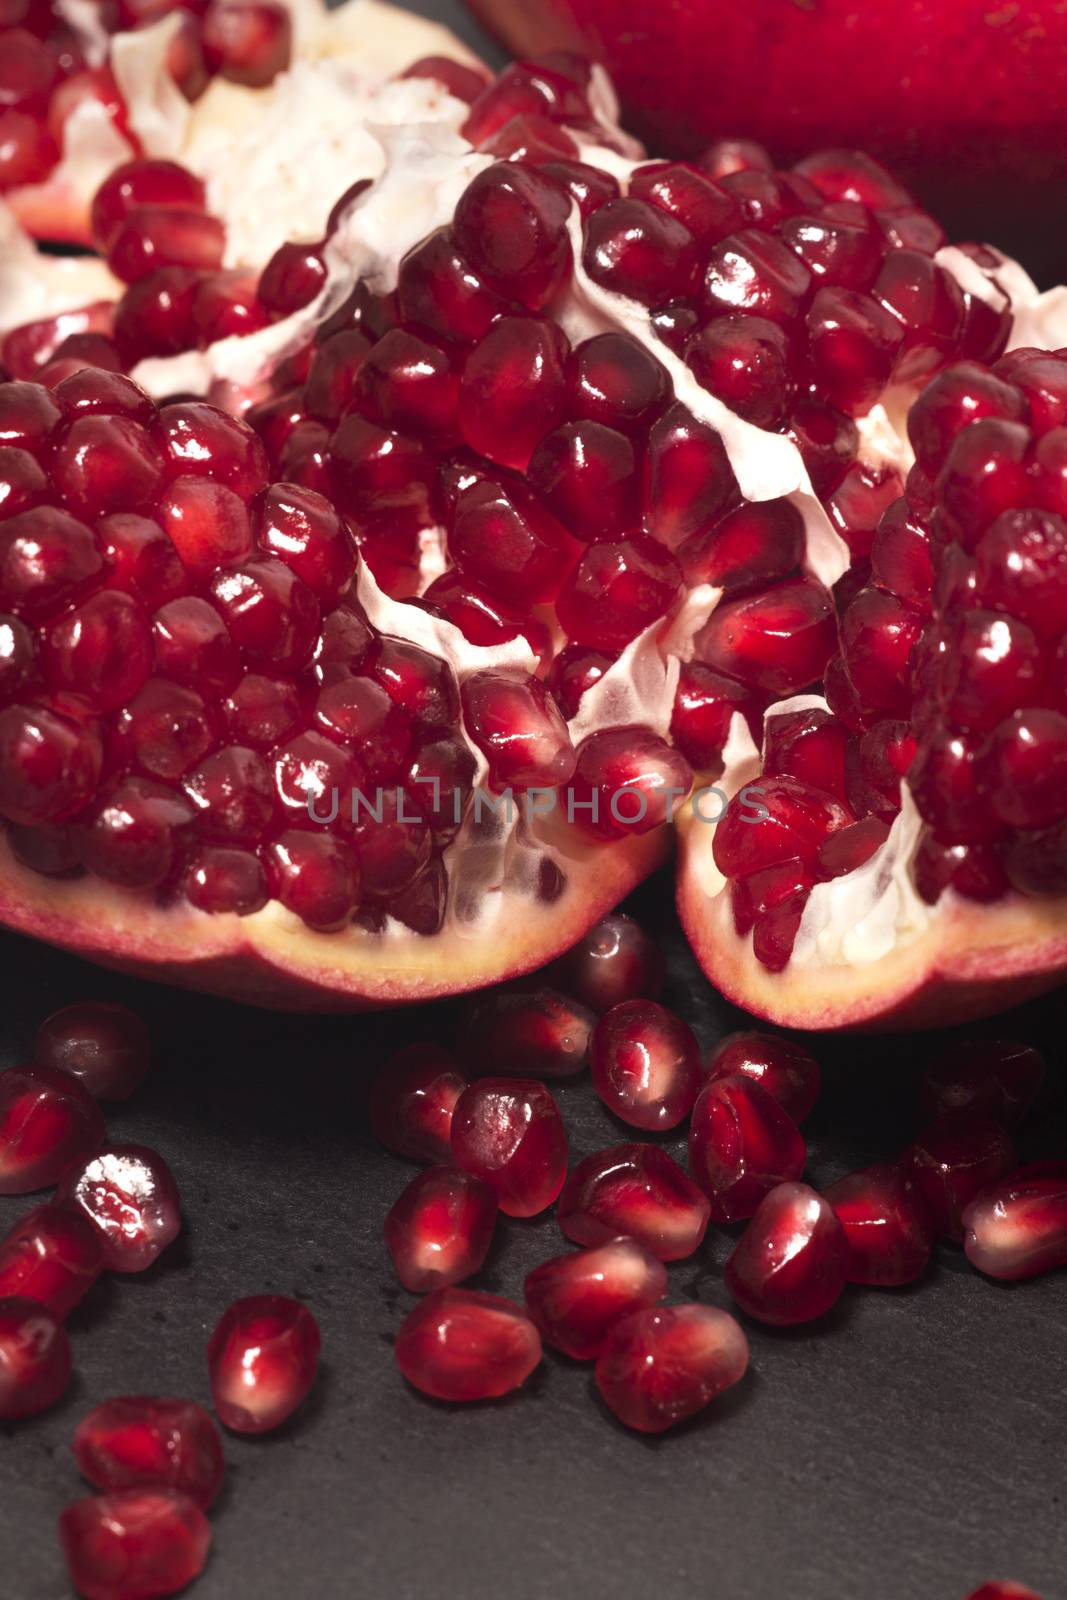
{"points": [[798, 818], [660, 1366], [143, 182], [645, 1065], [637, 1190], [791, 1263], [778, 640], [513, 390], [35, 1359], [511, 224], [587, 474], [134, 1542], [709, 212], [526, 1033], [886, 1223], [627, 781], [516, 724], [128, 1192], [462, 1344], [262, 1358], [788, 1071], [51, 1255], [47, 1121], [616, 961], [141, 1441], [751, 546], [744, 361], [997, 1078], [635, 249], [105, 1046], [853, 342], [951, 1163], [575, 1299], [1003, 1591], [502, 538], [1017, 1227], [412, 1101], [509, 1132], [742, 1144], [439, 1230]]}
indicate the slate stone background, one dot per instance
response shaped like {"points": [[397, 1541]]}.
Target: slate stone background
{"points": [[908, 1449]]}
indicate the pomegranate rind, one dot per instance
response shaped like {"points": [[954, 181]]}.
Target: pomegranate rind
{"points": [[272, 960]]}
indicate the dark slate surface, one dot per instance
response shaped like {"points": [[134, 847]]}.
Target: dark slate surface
{"points": [[910, 1448]]}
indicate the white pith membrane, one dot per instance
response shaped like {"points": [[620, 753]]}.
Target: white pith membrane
{"points": [[275, 161]]}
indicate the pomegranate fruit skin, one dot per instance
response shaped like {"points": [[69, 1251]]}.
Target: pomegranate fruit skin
{"points": [[896, 80]]}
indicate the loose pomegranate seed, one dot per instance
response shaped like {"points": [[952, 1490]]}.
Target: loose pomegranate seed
{"points": [[51, 1256], [662, 1365], [638, 1190], [439, 1231], [744, 361], [34, 1359], [47, 1120], [989, 1078], [885, 1222], [778, 640], [461, 1344], [626, 782], [129, 1193], [1017, 1227], [646, 1065], [1003, 1591], [509, 1132], [635, 249], [787, 1071], [741, 1145], [951, 1163], [134, 1542], [247, 41], [517, 725], [143, 182], [263, 1357], [511, 225], [616, 961], [791, 1262], [576, 1299], [145, 1442], [104, 1046], [529, 1033]]}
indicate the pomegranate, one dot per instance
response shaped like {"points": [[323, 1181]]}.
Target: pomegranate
{"points": [[637, 1190], [646, 1065], [53, 1256], [886, 1223], [104, 1046], [47, 1121], [792, 1261], [141, 1541], [462, 1344], [439, 1231], [1017, 1227], [660, 1366], [145, 1442], [262, 1357], [509, 1133], [34, 1359], [128, 1192], [575, 1299]]}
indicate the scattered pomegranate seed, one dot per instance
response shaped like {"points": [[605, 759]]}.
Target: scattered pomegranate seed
{"points": [[951, 1163], [145, 1442], [575, 1299], [1004, 1590], [439, 1231], [412, 1101], [47, 1120], [742, 1144], [530, 1033], [646, 1065], [509, 1132], [104, 1046], [51, 1256], [662, 1365], [886, 1223], [787, 1071], [1017, 1227], [462, 1344], [637, 1190], [263, 1357], [792, 1260], [991, 1078], [134, 1542], [616, 961], [34, 1359], [128, 1192]]}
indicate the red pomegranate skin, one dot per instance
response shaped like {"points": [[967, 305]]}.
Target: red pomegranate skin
{"points": [[897, 78]]}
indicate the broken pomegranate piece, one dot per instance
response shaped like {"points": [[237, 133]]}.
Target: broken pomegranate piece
{"points": [[263, 1357], [660, 1366], [144, 1442], [462, 1344]]}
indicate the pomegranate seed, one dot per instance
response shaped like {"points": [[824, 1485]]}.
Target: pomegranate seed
{"points": [[791, 1262], [412, 1102], [247, 41], [797, 820], [951, 1163], [129, 1193], [635, 249], [1021, 562], [192, 646], [853, 342], [984, 474], [513, 391], [155, 315], [437, 289], [750, 547], [46, 559], [1027, 760], [705, 705], [509, 1132], [405, 382], [741, 1146], [989, 1078], [462, 82], [516, 724], [626, 781], [34, 1359], [808, 745], [51, 1256], [314, 876], [726, 156], [692, 199], [150, 237], [104, 1046], [586, 474], [47, 1120], [954, 399], [134, 1542], [616, 961], [885, 1222], [225, 307], [145, 1442], [851, 175], [646, 1065], [574, 671], [49, 765], [262, 711], [1003, 1591], [755, 273], [744, 362], [28, 152], [576, 1299], [1017, 1227], [461, 1344], [787, 1071], [528, 1033], [689, 482], [439, 1231], [263, 1357], [614, 380], [303, 530], [141, 559], [850, 849], [638, 1190], [828, 442], [441, 777], [778, 640], [589, 187], [511, 225], [134, 833], [616, 590], [503, 539], [660, 1366], [138, 183]]}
